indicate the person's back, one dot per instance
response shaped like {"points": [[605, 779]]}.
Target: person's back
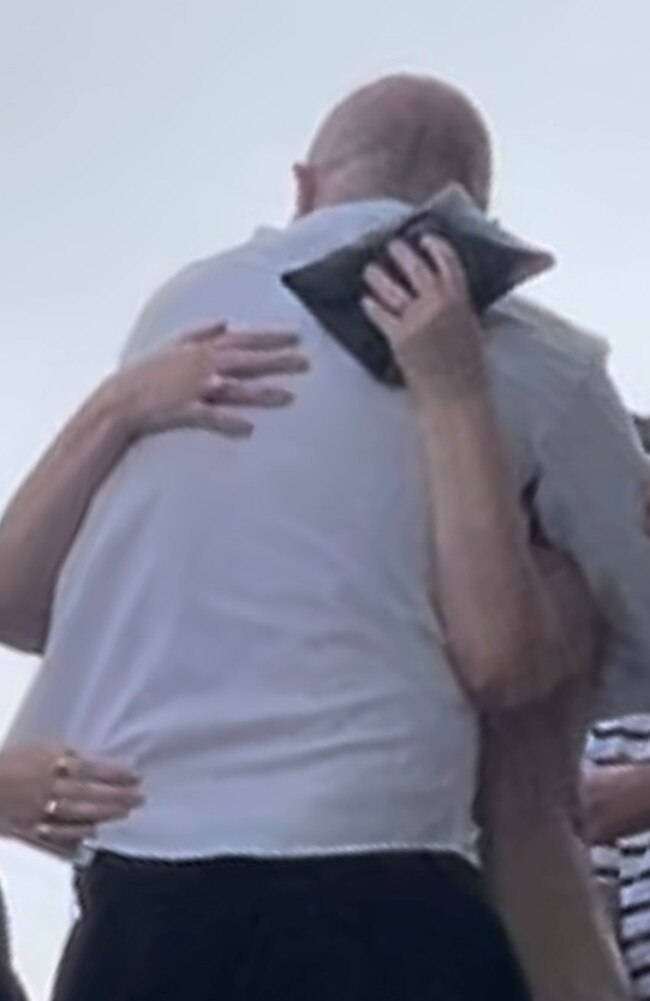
{"points": [[252, 625], [301, 563]]}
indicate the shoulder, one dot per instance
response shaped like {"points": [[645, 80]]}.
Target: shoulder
{"points": [[190, 299], [534, 331], [539, 359]]}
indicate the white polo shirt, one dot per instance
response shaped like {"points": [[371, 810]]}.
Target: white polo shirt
{"points": [[248, 624]]}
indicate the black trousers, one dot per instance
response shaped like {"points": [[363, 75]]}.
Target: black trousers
{"points": [[10, 988], [394, 927]]}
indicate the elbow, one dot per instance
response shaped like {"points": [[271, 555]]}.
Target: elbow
{"points": [[490, 683], [22, 629], [504, 674]]}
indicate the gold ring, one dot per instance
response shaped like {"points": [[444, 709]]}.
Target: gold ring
{"points": [[51, 809]]}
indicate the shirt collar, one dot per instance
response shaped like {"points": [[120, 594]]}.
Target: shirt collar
{"points": [[358, 215]]}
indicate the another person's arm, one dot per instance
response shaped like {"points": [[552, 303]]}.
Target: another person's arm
{"points": [[501, 628], [508, 609], [196, 383], [616, 798], [615, 801]]}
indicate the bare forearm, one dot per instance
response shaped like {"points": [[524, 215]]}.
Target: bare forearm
{"points": [[538, 880], [497, 617], [183, 387], [617, 802], [41, 522]]}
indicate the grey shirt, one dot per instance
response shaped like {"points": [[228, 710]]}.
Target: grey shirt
{"points": [[249, 623]]}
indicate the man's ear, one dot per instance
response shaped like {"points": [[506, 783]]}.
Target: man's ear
{"points": [[305, 178]]}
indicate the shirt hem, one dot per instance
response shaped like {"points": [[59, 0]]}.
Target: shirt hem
{"points": [[87, 852]]}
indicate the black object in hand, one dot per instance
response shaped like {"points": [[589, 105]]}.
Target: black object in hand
{"points": [[494, 261]]}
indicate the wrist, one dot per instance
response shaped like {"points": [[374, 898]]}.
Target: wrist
{"points": [[446, 360], [116, 404], [444, 399]]}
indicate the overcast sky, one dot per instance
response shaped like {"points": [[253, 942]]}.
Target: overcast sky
{"points": [[139, 134]]}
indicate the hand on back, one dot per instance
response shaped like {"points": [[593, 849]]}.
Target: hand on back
{"points": [[204, 379], [55, 798]]}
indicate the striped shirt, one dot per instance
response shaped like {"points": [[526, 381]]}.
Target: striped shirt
{"points": [[625, 865]]}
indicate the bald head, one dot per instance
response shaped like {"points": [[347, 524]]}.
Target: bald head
{"points": [[402, 137]]}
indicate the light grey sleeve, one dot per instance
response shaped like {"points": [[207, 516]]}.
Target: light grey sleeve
{"points": [[590, 500]]}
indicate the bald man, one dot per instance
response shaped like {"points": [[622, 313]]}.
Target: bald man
{"points": [[251, 628]]}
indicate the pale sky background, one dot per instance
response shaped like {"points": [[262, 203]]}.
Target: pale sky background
{"points": [[139, 134]]}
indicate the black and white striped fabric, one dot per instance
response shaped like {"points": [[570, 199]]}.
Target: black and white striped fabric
{"points": [[625, 865]]}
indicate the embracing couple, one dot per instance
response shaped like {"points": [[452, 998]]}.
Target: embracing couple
{"points": [[272, 656]]}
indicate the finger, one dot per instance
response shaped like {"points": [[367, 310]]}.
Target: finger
{"points": [[419, 274], [252, 364], [106, 771], [444, 259], [75, 791], [235, 393], [259, 340], [386, 291], [89, 813], [204, 417], [380, 317], [204, 334], [65, 763], [64, 835]]}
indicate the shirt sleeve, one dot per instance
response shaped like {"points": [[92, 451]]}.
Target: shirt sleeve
{"points": [[593, 475]]}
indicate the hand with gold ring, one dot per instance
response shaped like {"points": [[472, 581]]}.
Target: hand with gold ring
{"points": [[55, 798], [427, 317]]}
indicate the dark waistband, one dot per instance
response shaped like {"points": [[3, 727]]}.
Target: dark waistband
{"points": [[243, 869]]}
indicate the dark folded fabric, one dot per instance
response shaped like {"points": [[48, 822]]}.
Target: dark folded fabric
{"points": [[494, 261]]}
